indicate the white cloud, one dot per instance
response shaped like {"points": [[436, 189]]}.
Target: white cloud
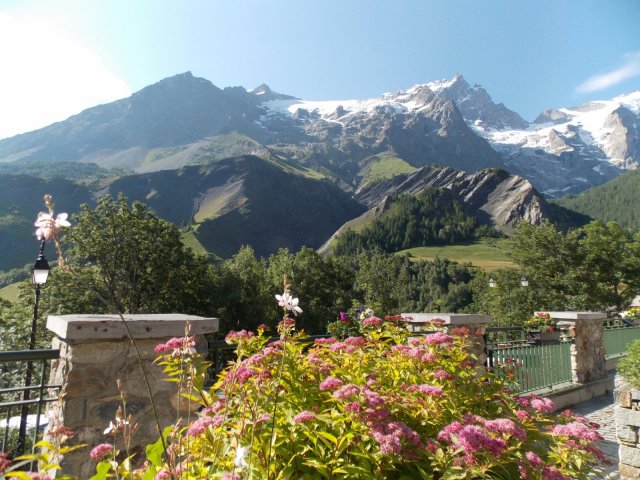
{"points": [[48, 76], [630, 69]]}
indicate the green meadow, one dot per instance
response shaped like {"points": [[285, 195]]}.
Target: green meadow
{"points": [[487, 253]]}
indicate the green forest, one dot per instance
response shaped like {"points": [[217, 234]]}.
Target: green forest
{"points": [[617, 200], [121, 257], [434, 217]]}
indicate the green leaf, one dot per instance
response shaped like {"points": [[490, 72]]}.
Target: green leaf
{"points": [[154, 453], [102, 470]]}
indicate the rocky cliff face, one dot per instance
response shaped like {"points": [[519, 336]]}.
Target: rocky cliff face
{"points": [[503, 199], [570, 149], [476, 105]]}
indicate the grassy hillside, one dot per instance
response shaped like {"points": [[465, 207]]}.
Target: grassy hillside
{"points": [[10, 292], [20, 202], [383, 167], [617, 200], [487, 253]]}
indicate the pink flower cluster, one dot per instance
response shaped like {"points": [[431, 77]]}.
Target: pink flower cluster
{"points": [[577, 430], [427, 390], [235, 337], [394, 436], [304, 416], [326, 341], [372, 322], [441, 375], [477, 434], [505, 426], [216, 407], [37, 476], [346, 392], [330, 383], [356, 341], [200, 426], [240, 375], [100, 451], [539, 404], [176, 345], [552, 473], [472, 438], [437, 338], [323, 367], [416, 353], [264, 418]]}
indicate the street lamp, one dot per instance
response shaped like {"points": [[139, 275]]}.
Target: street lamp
{"points": [[524, 282], [39, 276]]}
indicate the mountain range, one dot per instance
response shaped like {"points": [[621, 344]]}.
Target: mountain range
{"points": [[184, 120], [234, 166]]}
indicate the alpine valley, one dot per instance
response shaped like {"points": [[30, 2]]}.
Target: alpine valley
{"points": [[235, 166]]}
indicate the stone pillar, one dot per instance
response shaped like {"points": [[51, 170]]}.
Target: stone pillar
{"points": [[475, 323], [587, 350], [627, 414], [94, 353]]}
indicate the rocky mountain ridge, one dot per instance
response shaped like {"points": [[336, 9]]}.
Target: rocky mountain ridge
{"points": [[505, 199], [495, 196]]}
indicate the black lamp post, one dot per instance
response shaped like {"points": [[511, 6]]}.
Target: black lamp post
{"points": [[39, 276], [524, 282]]}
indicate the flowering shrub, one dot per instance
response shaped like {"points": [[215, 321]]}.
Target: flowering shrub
{"points": [[543, 322], [632, 314], [380, 405], [347, 325]]}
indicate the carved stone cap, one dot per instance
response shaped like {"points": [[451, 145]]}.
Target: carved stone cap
{"points": [[577, 315], [106, 327], [449, 318]]}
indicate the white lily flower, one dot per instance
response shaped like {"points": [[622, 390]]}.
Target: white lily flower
{"points": [[288, 302], [48, 226], [240, 461], [109, 429], [61, 220]]}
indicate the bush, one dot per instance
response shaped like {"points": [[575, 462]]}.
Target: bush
{"points": [[629, 365], [380, 405]]}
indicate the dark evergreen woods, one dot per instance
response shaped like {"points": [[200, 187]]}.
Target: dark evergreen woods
{"points": [[122, 257], [617, 200], [435, 216]]}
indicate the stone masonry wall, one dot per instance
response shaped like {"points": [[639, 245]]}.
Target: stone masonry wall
{"points": [[89, 369], [627, 415]]}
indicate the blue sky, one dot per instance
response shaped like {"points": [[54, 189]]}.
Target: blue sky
{"points": [[62, 56]]}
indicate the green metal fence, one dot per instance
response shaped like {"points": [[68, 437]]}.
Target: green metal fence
{"points": [[536, 367], [22, 408], [617, 339]]}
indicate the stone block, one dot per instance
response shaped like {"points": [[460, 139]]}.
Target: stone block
{"points": [[98, 353], [624, 399], [627, 472], [630, 455], [92, 327], [626, 416], [627, 433]]}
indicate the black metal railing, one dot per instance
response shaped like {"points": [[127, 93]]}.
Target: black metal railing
{"points": [[22, 408]]}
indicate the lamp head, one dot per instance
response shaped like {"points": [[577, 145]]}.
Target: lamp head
{"points": [[40, 271]]}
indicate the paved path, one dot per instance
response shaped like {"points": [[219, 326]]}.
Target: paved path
{"points": [[600, 410]]}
